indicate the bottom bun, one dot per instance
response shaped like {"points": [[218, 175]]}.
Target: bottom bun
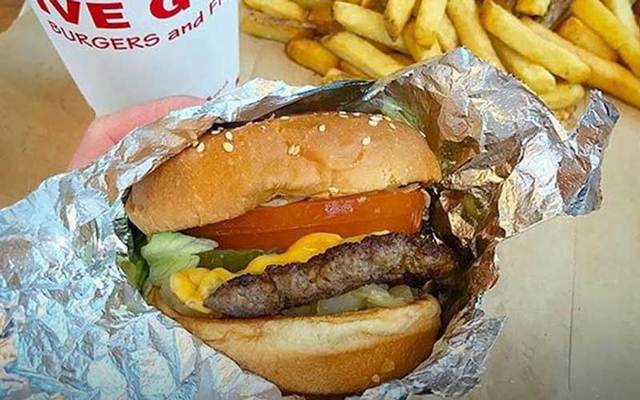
{"points": [[328, 354]]}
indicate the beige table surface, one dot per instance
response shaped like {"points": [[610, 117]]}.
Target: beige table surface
{"points": [[569, 286]]}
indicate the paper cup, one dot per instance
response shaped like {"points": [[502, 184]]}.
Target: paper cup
{"points": [[123, 52]]}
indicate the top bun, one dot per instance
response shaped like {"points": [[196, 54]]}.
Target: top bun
{"points": [[306, 155]]}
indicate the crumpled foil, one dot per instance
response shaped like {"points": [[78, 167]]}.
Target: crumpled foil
{"points": [[71, 326]]}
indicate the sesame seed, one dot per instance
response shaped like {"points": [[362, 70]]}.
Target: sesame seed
{"points": [[422, 134], [375, 378], [326, 113], [343, 114], [227, 146], [392, 125], [373, 122], [284, 117], [228, 135], [263, 128], [375, 117], [322, 127], [216, 131], [366, 141], [200, 147], [293, 150], [386, 118], [333, 190], [357, 114], [194, 143]]}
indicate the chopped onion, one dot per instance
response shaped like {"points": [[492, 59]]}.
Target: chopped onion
{"points": [[369, 296], [342, 303], [376, 295], [402, 292]]}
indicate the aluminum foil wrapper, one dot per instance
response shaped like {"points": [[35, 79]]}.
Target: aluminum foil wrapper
{"points": [[71, 326]]}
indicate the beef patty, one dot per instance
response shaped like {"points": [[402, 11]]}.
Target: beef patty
{"points": [[393, 258]]}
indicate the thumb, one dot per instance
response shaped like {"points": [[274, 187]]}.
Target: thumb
{"points": [[107, 130]]}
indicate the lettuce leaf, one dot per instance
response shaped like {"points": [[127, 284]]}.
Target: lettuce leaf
{"points": [[134, 266], [169, 252], [136, 272]]}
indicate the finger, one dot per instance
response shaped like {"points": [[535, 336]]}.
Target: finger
{"points": [[106, 131]]}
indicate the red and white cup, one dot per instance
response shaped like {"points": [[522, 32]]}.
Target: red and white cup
{"points": [[124, 52]]}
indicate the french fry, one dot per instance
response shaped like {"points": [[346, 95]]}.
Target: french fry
{"points": [[323, 20], [537, 77], [533, 7], [311, 54], [266, 27], [279, 8], [623, 10], [376, 5], [516, 35], [418, 52], [466, 18], [396, 15], [428, 20], [598, 17], [380, 46], [446, 34], [366, 23], [416, 7], [403, 59], [313, 4], [351, 69], [334, 74], [563, 95], [362, 54], [581, 35], [606, 75]]}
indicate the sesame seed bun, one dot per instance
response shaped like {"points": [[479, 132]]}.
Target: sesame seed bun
{"points": [[323, 355], [307, 155]]}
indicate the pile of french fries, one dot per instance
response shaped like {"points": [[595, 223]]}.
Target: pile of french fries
{"points": [[597, 45]]}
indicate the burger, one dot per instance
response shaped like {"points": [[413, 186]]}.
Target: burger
{"points": [[296, 246]]}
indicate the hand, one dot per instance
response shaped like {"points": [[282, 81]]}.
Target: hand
{"points": [[106, 131]]}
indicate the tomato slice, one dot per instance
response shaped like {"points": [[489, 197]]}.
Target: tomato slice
{"points": [[278, 227]]}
